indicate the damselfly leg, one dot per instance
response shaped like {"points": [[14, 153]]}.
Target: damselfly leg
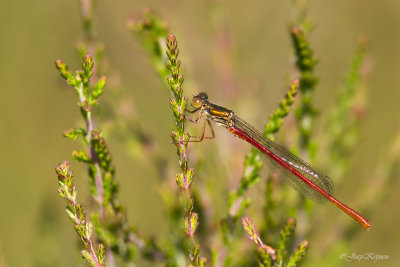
{"points": [[202, 136]]}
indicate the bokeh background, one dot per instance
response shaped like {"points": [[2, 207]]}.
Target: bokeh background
{"points": [[36, 105]]}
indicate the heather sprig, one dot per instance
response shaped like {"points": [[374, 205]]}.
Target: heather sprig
{"points": [[152, 32], [88, 96], [89, 43], [76, 213], [286, 235], [268, 256], [298, 254], [305, 63], [178, 105], [276, 119], [181, 138], [344, 121], [110, 222]]}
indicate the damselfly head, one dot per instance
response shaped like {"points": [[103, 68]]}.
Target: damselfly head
{"points": [[198, 100]]}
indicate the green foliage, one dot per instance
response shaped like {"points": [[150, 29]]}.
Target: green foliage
{"points": [[152, 32], [178, 106], [74, 133], [82, 85], [98, 89], [197, 261], [266, 254], [298, 254], [287, 233], [305, 63], [81, 156], [103, 154], [78, 216], [346, 115], [276, 119], [110, 220], [269, 256]]}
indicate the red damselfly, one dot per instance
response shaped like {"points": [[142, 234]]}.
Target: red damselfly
{"points": [[301, 175]]}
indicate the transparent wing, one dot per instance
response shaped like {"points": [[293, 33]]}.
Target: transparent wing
{"points": [[307, 170]]}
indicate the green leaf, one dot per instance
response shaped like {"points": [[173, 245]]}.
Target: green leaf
{"points": [[88, 258], [298, 254], [101, 253], [276, 119], [88, 227], [286, 234], [81, 156], [74, 133], [87, 64], [71, 214], [98, 88]]}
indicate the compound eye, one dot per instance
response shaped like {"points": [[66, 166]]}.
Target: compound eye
{"points": [[203, 96], [196, 103]]}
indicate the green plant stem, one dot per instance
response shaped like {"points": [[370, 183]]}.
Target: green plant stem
{"points": [[95, 161], [180, 138]]}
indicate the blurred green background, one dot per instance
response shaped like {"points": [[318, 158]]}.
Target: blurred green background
{"points": [[37, 106]]}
